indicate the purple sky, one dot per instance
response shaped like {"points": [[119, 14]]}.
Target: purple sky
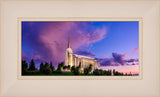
{"points": [[114, 44]]}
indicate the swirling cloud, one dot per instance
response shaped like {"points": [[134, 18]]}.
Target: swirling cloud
{"points": [[48, 41], [117, 60]]}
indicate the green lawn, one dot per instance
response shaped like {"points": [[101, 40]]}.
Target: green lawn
{"points": [[58, 74]]}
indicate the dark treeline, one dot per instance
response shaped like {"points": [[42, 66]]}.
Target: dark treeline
{"points": [[49, 69]]}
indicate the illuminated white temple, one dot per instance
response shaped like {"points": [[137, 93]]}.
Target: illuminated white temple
{"points": [[74, 59]]}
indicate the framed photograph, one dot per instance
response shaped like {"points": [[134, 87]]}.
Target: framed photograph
{"points": [[79, 48]]}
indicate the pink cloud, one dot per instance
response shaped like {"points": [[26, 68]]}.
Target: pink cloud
{"points": [[54, 38]]}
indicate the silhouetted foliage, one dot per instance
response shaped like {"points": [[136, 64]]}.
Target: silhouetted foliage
{"points": [[65, 67], [32, 69], [129, 74], [96, 72], [109, 72], [57, 71], [75, 70], [32, 65], [116, 73], [90, 67], [69, 67], [41, 68], [52, 67], [88, 70], [60, 66], [47, 69], [46, 65], [72, 69], [102, 72], [24, 67]]}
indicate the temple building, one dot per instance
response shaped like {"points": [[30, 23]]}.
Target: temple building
{"points": [[74, 59]]}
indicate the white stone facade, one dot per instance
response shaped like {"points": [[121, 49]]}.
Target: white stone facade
{"points": [[74, 59]]}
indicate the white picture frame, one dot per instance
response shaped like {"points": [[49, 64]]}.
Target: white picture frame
{"points": [[146, 12]]}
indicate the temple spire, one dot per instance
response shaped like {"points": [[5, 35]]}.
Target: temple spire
{"points": [[68, 39]]}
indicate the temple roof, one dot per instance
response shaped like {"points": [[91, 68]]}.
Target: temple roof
{"points": [[69, 50], [81, 56]]}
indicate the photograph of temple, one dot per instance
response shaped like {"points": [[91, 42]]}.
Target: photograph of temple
{"points": [[80, 48], [74, 59]]}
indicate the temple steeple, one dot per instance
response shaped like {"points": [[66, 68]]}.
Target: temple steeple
{"points": [[69, 54], [68, 39]]}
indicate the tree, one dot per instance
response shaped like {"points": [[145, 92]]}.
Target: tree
{"points": [[47, 69], [41, 68], [116, 73], [113, 71], [88, 70], [76, 71], [96, 72], [32, 65], [73, 69], [52, 67], [101, 72], [46, 65], [24, 67], [65, 67], [109, 72], [130, 74], [60, 66], [68, 67]]}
